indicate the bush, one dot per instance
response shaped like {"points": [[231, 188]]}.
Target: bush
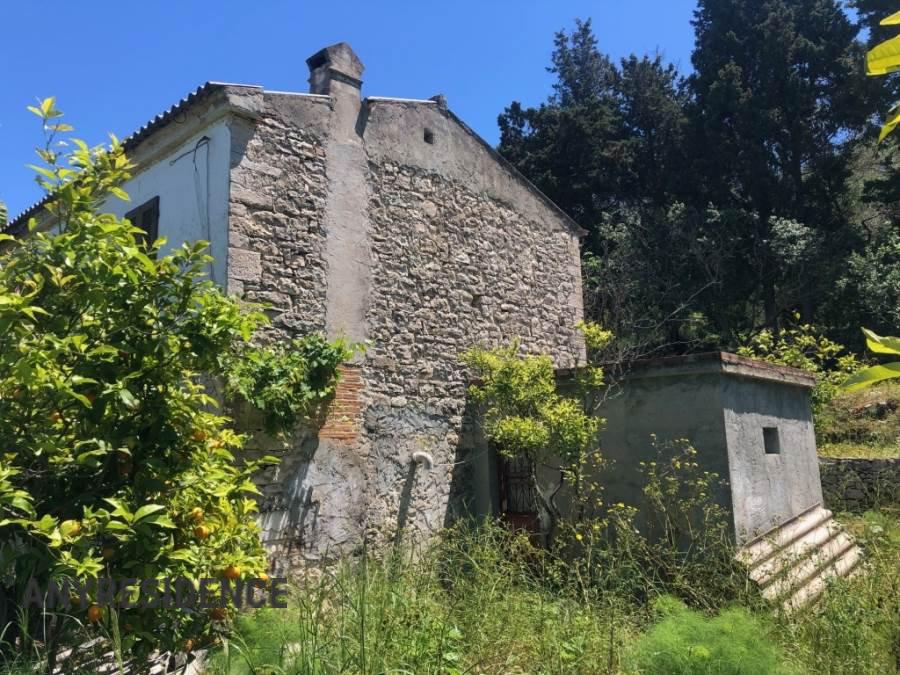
{"points": [[113, 463], [687, 642], [526, 417], [678, 541], [802, 346]]}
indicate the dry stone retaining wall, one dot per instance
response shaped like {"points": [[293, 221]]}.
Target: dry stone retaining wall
{"points": [[860, 484]]}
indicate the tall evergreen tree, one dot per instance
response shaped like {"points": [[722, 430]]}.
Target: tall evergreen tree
{"points": [[777, 89], [608, 137]]}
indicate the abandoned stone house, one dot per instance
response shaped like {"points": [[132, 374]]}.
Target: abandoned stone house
{"points": [[387, 221]]}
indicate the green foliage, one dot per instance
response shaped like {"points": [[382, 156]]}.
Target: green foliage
{"points": [[524, 413], [609, 134], [716, 202], [113, 462], [485, 600], [475, 601], [687, 642], [286, 382], [676, 540], [803, 346], [863, 423]]}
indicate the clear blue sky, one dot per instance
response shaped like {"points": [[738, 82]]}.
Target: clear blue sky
{"points": [[115, 64]]}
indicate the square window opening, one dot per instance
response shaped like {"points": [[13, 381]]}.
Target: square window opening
{"points": [[429, 136], [771, 441]]}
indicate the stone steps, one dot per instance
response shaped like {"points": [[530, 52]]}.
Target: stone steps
{"points": [[792, 563]]}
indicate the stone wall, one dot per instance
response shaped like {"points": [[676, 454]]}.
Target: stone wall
{"points": [[277, 238], [313, 501], [859, 484], [422, 252], [450, 269]]}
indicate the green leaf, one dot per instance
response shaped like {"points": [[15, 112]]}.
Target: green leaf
{"points": [[160, 520], [120, 193], [146, 510], [884, 58], [182, 554], [881, 345], [869, 376], [128, 399], [22, 504]]}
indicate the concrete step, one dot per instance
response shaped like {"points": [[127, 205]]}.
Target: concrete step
{"points": [[792, 564], [760, 549], [803, 572], [794, 552], [843, 566]]}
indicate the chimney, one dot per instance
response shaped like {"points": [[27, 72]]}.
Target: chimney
{"points": [[335, 71]]}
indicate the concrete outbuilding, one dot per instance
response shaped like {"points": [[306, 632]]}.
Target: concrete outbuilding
{"points": [[751, 423]]}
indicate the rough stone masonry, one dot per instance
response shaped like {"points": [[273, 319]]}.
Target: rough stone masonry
{"points": [[388, 221]]}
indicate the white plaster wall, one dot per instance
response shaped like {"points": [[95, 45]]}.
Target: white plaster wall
{"points": [[193, 193]]}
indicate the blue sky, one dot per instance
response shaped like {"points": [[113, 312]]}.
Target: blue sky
{"points": [[114, 65]]}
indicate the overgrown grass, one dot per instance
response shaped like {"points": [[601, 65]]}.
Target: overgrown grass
{"points": [[860, 450], [864, 423], [855, 627], [477, 602], [482, 600], [485, 601]]}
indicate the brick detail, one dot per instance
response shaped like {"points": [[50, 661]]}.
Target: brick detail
{"points": [[342, 421]]}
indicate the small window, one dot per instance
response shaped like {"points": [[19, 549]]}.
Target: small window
{"points": [[429, 136], [146, 217], [771, 441]]}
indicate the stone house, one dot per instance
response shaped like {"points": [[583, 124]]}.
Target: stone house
{"points": [[390, 222], [387, 221]]}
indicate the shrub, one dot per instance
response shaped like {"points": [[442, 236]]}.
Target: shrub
{"points": [[527, 417], [687, 642], [802, 346], [677, 541], [113, 463]]}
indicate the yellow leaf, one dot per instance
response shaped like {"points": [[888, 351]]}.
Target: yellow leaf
{"points": [[892, 20], [881, 344], [889, 127], [47, 105], [884, 58]]}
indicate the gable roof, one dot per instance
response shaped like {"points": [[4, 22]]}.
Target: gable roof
{"points": [[18, 224]]}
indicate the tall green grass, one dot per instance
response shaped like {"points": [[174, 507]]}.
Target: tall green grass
{"points": [[855, 627], [476, 602], [485, 601]]}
